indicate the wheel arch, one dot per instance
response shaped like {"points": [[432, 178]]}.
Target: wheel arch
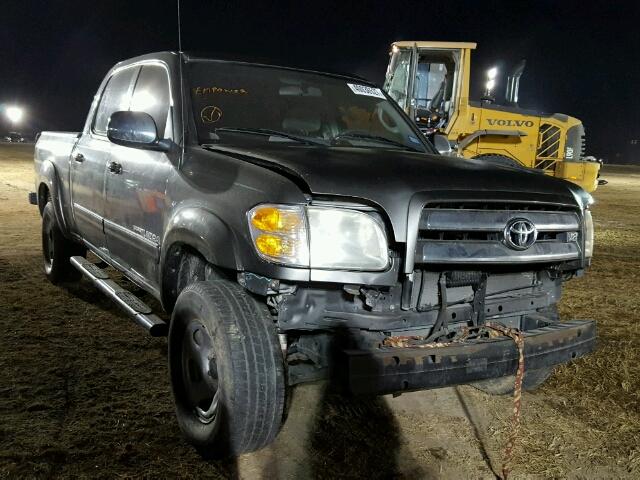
{"points": [[43, 196], [49, 189], [198, 231]]}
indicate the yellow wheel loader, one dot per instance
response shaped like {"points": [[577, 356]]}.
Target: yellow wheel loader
{"points": [[430, 81]]}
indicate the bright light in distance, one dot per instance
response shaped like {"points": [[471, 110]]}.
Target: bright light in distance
{"points": [[492, 73], [490, 84], [14, 114]]}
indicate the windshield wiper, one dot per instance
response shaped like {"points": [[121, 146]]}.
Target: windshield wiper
{"points": [[268, 133], [370, 136]]}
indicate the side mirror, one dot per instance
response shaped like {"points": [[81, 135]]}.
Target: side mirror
{"points": [[442, 144], [135, 129]]}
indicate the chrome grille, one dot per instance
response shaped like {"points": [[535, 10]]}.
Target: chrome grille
{"points": [[473, 235]]}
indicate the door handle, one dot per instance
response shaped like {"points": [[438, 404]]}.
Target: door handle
{"points": [[78, 157], [115, 167]]}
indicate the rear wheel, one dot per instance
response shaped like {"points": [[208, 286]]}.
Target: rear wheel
{"points": [[226, 369], [504, 385], [56, 250]]}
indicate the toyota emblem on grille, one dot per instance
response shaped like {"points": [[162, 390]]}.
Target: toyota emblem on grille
{"points": [[520, 233]]}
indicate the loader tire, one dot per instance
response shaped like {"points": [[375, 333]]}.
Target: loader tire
{"points": [[504, 385], [500, 160]]}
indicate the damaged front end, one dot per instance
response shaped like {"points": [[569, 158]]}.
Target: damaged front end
{"points": [[365, 341], [433, 326]]}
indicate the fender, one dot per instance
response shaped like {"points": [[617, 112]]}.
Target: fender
{"points": [[49, 176], [483, 133], [204, 231]]}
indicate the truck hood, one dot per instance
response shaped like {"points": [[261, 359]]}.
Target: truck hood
{"points": [[398, 181]]}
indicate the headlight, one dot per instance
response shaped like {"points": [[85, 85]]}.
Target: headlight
{"points": [[346, 240], [588, 234], [319, 237]]}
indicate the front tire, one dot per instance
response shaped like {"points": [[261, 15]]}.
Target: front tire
{"points": [[56, 250], [226, 369]]}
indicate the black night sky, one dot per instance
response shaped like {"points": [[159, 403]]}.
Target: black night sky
{"points": [[582, 57]]}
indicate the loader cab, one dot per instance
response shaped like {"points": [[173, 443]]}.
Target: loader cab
{"points": [[430, 81]]}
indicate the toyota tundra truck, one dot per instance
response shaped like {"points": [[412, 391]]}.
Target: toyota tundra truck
{"points": [[298, 227]]}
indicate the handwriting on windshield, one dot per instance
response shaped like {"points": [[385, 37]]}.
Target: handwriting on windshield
{"points": [[210, 114], [219, 90]]}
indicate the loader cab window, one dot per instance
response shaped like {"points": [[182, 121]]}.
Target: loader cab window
{"points": [[397, 78], [436, 77]]}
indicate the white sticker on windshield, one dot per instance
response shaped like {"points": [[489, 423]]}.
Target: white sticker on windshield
{"points": [[365, 90]]}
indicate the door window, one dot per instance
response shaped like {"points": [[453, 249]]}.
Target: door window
{"points": [[115, 98], [151, 95]]}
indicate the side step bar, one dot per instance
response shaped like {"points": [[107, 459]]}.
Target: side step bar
{"points": [[132, 305]]}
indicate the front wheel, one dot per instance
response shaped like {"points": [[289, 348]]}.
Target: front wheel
{"points": [[226, 368]]}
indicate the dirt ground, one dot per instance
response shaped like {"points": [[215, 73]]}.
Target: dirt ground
{"points": [[84, 392]]}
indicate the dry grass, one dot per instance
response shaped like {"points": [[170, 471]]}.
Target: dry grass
{"points": [[598, 397], [84, 392]]}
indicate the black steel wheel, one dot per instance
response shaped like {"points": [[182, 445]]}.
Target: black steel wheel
{"points": [[200, 371], [226, 368]]}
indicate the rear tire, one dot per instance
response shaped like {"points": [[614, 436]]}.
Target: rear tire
{"points": [[504, 385], [57, 250], [226, 369]]}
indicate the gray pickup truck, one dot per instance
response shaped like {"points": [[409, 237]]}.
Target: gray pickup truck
{"points": [[298, 227]]}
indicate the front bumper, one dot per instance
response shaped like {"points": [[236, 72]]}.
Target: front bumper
{"points": [[392, 370]]}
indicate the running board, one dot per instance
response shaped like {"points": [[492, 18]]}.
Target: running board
{"points": [[132, 305]]}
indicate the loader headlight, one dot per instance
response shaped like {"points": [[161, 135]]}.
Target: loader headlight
{"points": [[588, 234], [318, 237]]}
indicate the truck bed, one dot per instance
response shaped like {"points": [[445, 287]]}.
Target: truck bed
{"points": [[55, 147]]}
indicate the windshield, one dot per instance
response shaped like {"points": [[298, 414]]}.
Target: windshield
{"points": [[235, 103]]}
